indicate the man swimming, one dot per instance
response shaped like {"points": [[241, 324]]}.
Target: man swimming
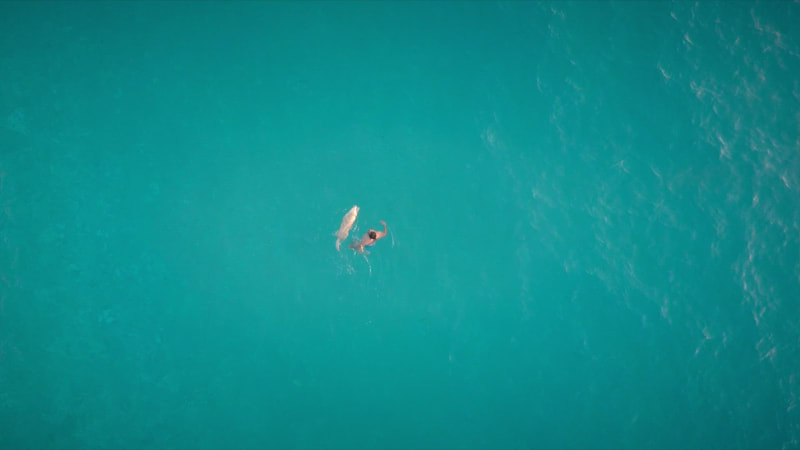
{"points": [[368, 239]]}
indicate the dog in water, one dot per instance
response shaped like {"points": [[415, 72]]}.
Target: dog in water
{"points": [[347, 222]]}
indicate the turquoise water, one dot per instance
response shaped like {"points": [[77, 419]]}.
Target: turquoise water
{"points": [[593, 214]]}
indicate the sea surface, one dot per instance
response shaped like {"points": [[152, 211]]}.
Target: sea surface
{"points": [[593, 213]]}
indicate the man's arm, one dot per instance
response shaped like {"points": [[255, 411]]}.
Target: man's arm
{"points": [[381, 234]]}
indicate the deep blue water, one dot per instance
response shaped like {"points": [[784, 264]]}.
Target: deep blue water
{"points": [[593, 214]]}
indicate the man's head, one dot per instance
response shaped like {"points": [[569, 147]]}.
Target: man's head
{"points": [[372, 234]]}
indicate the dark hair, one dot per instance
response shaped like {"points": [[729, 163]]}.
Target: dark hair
{"points": [[373, 234]]}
